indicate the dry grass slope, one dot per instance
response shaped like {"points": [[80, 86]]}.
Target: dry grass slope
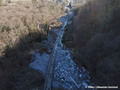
{"points": [[22, 19], [21, 26]]}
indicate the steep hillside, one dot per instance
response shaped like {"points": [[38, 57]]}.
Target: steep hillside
{"points": [[96, 38], [22, 27]]}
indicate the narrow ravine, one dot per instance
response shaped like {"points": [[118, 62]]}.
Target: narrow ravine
{"points": [[65, 73]]}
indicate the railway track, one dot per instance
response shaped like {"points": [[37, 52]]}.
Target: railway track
{"points": [[48, 81]]}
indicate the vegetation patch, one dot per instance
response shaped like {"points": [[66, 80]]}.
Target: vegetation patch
{"points": [[96, 40], [22, 28]]}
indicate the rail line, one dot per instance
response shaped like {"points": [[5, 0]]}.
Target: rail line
{"points": [[48, 81]]}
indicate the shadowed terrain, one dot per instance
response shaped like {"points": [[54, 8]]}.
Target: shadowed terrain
{"points": [[96, 37], [23, 26]]}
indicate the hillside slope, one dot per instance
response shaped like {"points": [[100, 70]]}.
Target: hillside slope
{"points": [[94, 37], [22, 28], [97, 38]]}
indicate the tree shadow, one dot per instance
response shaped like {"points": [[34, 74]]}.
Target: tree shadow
{"points": [[18, 57]]}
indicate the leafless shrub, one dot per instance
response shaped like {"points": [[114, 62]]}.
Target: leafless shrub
{"points": [[22, 24], [20, 19], [97, 37]]}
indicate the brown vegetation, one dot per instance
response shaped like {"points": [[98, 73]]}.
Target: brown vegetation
{"points": [[22, 19], [21, 26], [97, 38]]}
